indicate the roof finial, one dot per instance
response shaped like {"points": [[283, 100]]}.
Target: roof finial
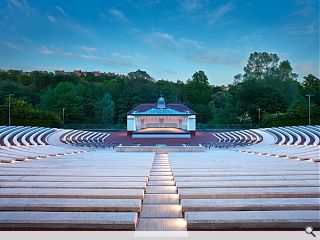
{"points": [[161, 102]]}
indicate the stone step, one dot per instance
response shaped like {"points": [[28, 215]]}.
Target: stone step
{"points": [[159, 170], [162, 189], [68, 220], [71, 193], [161, 199], [257, 204], [161, 183], [159, 178], [246, 184], [160, 174], [270, 192], [70, 205], [161, 167], [161, 211], [161, 224], [298, 219], [95, 185]]}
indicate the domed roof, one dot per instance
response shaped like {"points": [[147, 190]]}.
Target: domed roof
{"points": [[161, 103]]}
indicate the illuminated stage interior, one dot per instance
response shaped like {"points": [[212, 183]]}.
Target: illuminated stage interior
{"points": [[161, 132], [165, 130]]}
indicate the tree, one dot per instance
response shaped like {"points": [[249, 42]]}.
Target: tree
{"points": [[65, 95], [245, 118], [260, 64], [199, 95], [311, 85], [139, 75], [106, 105]]}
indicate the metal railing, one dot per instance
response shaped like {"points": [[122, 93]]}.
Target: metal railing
{"points": [[96, 127], [226, 126], [123, 127]]}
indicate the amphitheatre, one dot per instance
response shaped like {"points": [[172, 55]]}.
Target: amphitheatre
{"points": [[254, 179]]}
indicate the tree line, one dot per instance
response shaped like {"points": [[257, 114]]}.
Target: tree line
{"points": [[266, 85]]}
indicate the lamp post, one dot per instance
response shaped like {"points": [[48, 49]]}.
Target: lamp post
{"points": [[259, 114], [9, 110], [63, 113], [309, 98]]}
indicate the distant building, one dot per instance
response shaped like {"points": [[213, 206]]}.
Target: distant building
{"points": [[59, 72], [77, 73], [161, 118]]}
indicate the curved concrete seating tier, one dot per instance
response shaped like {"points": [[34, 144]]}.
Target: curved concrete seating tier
{"points": [[296, 142], [21, 143], [85, 138], [235, 138]]}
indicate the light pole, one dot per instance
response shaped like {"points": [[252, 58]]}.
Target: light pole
{"points": [[63, 113], [309, 97], [259, 113], [9, 110]]}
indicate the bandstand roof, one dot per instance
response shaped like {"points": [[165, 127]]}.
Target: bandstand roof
{"points": [[150, 109]]}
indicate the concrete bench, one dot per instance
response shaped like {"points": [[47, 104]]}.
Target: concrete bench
{"points": [[95, 185], [68, 220], [245, 178], [256, 204], [263, 173], [71, 193], [83, 172], [70, 179], [7, 159], [246, 184], [252, 220], [270, 192], [70, 205]]}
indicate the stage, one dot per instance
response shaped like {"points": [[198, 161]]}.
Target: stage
{"points": [[161, 132]]}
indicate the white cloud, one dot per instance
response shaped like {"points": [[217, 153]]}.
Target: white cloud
{"points": [[61, 10], [54, 51], [300, 30], [217, 15], [12, 45], [52, 19], [65, 21], [192, 5], [144, 3], [193, 50], [23, 6], [305, 68], [89, 49], [113, 59], [118, 15], [163, 40]]}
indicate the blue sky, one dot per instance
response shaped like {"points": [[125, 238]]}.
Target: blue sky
{"points": [[170, 39]]}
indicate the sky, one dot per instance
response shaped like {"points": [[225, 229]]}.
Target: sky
{"points": [[170, 39]]}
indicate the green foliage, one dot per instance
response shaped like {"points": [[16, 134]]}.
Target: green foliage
{"points": [[22, 113], [266, 83], [106, 107]]}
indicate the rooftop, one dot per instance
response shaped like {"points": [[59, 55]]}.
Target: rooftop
{"points": [[151, 109]]}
